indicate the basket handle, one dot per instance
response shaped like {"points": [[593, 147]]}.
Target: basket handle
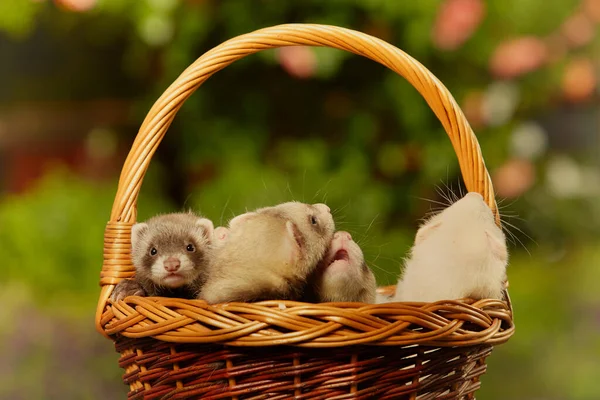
{"points": [[117, 260]]}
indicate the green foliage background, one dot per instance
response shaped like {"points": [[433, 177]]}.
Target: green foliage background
{"points": [[253, 136]]}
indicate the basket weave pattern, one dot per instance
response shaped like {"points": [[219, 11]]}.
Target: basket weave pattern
{"points": [[208, 372], [175, 348]]}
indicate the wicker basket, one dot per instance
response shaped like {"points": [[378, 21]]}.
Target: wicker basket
{"points": [[183, 349]]}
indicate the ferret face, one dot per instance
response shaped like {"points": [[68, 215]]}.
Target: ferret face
{"points": [[311, 219], [312, 223], [170, 250], [343, 274]]}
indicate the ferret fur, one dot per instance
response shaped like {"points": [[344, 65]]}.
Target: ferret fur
{"points": [[458, 253], [178, 266], [342, 275], [268, 253]]}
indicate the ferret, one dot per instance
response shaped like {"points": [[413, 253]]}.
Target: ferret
{"points": [[342, 275], [170, 255], [458, 253], [268, 253]]}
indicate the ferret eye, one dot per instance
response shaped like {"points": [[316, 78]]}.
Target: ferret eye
{"points": [[153, 251], [190, 247], [313, 220]]}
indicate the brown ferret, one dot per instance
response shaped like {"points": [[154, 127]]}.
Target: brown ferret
{"points": [[169, 253], [268, 253], [342, 275]]}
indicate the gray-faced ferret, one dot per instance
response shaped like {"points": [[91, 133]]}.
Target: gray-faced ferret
{"points": [[268, 253], [458, 253], [342, 275], [169, 253]]}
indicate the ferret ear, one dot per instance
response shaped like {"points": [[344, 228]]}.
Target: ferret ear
{"points": [[293, 240], [426, 230], [220, 233], [293, 233], [241, 219], [207, 225], [498, 246], [137, 231]]}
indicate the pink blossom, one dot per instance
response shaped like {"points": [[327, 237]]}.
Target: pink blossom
{"points": [[518, 56], [298, 61], [513, 178], [579, 80], [76, 5], [456, 22]]}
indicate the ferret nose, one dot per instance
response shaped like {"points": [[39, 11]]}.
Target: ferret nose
{"points": [[172, 264], [342, 235], [323, 207]]}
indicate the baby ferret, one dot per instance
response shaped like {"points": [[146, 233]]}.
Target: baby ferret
{"points": [[169, 253], [268, 253], [458, 253], [342, 275]]}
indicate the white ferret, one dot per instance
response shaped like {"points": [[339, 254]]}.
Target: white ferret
{"points": [[458, 253], [268, 253]]}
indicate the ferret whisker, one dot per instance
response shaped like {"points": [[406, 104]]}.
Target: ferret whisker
{"points": [[461, 190], [513, 216], [444, 205], [455, 197], [342, 223], [223, 211], [385, 271], [448, 194], [508, 213], [432, 212], [435, 210], [521, 231], [362, 241], [379, 247], [373, 265], [289, 189], [303, 184], [388, 259], [445, 182], [337, 210], [186, 200], [324, 187], [371, 224], [517, 228], [510, 235], [501, 204], [324, 196], [516, 239], [451, 193], [443, 195]]}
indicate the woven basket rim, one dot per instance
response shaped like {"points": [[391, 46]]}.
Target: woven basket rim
{"points": [[454, 323], [447, 323]]}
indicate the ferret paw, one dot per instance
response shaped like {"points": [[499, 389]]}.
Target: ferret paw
{"points": [[126, 288]]}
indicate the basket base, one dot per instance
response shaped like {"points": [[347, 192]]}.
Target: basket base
{"points": [[161, 370]]}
